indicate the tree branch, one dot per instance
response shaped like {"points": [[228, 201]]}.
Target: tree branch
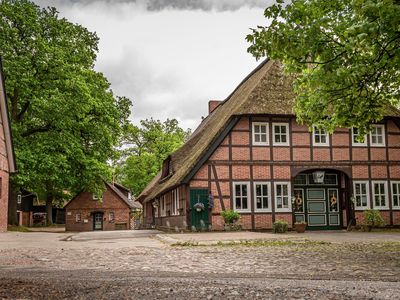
{"points": [[36, 130]]}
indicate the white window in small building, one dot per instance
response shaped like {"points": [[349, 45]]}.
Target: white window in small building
{"points": [[241, 196], [396, 194], [378, 135], [111, 216], [282, 202], [361, 194], [77, 217], [281, 134], [320, 137], [260, 133], [262, 196], [380, 194], [355, 136], [163, 206]]}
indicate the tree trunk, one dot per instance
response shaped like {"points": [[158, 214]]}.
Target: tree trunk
{"points": [[12, 205], [49, 208]]}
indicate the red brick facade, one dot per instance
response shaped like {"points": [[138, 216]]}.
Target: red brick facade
{"points": [[237, 159], [80, 211]]}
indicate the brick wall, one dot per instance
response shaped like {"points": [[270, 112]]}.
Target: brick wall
{"points": [[84, 205]]}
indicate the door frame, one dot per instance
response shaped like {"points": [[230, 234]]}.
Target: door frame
{"points": [[97, 213]]}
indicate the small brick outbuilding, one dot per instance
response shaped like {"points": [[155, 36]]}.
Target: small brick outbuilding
{"points": [[113, 211]]}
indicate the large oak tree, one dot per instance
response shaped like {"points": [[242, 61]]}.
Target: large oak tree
{"points": [[343, 54], [65, 119]]}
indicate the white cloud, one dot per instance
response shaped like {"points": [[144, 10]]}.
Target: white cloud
{"points": [[170, 62]]}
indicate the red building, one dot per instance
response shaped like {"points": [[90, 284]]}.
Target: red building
{"points": [[7, 161], [113, 211], [250, 155]]}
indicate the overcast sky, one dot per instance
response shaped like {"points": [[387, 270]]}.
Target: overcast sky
{"points": [[169, 57]]}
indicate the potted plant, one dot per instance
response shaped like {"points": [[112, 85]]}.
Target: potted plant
{"points": [[300, 226], [199, 207], [230, 218]]}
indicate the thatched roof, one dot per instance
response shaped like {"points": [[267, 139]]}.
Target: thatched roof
{"points": [[266, 90]]}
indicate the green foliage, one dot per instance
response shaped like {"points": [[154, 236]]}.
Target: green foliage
{"points": [[230, 216], [343, 54], [147, 147], [65, 119], [280, 226], [373, 218]]}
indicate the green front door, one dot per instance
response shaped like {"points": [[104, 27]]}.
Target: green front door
{"points": [[199, 219]]}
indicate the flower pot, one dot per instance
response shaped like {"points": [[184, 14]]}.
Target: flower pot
{"points": [[300, 228], [198, 209]]}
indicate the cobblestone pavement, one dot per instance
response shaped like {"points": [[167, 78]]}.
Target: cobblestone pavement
{"points": [[145, 268]]}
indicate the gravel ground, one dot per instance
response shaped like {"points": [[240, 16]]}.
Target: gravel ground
{"points": [[144, 268]]}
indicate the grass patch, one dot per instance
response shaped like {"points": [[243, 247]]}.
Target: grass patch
{"points": [[254, 243], [17, 228]]}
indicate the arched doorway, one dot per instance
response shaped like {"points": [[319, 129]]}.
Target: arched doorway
{"points": [[320, 198]]}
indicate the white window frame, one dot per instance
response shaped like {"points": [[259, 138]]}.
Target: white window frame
{"points": [[266, 124], [287, 134], [354, 142], [320, 134], [367, 194], [397, 194], [78, 218], [163, 206], [383, 136], [283, 209], [385, 189], [248, 196], [268, 184], [111, 213], [175, 202]]}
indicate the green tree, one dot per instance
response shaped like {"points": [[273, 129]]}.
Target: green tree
{"points": [[65, 119], [343, 54], [146, 147]]}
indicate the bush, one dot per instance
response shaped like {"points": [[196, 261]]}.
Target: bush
{"points": [[280, 226], [230, 216], [372, 219]]}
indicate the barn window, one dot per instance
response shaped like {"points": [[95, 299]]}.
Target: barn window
{"points": [[377, 135], [241, 196], [77, 217], [111, 216], [262, 196], [361, 194], [320, 137], [282, 201], [260, 133], [280, 134]]}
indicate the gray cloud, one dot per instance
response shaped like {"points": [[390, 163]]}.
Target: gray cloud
{"points": [[158, 5]]}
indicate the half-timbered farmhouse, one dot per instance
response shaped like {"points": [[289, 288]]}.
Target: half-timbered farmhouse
{"points": [[114, 210], [7, 160], [250, 155]]}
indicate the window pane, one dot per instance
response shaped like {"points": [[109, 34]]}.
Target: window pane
{"points": [[258, 190], [263, 138], [238, 204], [283, 138], [237, 188], [244, 203], [244, 190], [265, 202], [364, 201], [265, 189]]}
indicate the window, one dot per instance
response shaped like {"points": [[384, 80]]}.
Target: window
{"points": [[281, 134], [380, 194], [282, 202], [95, 197], [262, 196], [355, 135], [166, 168], [320, 137], [163, 206], [378, 135], [175, 202], [260, 133], [396, 193], [361, 194], [111, 216], [77, 217], [241, 196]]}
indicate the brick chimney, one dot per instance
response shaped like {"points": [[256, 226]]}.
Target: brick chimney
{"points": [[212, 105]]}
